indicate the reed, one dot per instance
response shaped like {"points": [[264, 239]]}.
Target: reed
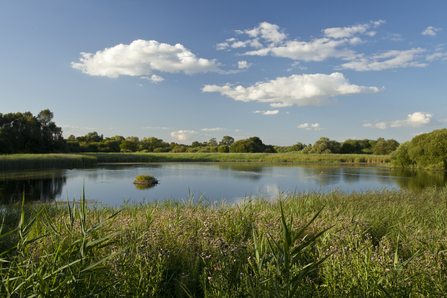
{"points": [[242, 157], [39, 161], [382, 243]]}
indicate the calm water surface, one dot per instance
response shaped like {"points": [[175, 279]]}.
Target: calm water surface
{"points": [[112, 184]]}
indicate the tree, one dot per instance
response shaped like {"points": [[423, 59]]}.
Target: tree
{"points": [[385, 147], [351, 146], [429, 150], [227, 140], [400, 157], [324, 145], [245, 146], [212, 142], [129, 146]]}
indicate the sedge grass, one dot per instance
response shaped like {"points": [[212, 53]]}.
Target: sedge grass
{"points": [[383, 243]]}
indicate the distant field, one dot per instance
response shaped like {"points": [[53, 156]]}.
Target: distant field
{"points": [[38, 161]]}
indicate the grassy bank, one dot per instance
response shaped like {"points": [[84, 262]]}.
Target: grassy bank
{"points": [[40, 161], [378, 244], [241, 157]]}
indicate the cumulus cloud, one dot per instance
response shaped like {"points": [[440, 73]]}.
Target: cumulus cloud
{"points": [[307, 126], [269, 32], [214, 129], [387, 60], [379, 125], [73, 127], [243, 64], [141, 57], [417, 119], [302, 90], [274, 112], [182, 135], [436, 56], [269, 39], [154, 79], [431, 31]]}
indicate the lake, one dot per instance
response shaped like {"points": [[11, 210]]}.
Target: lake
{"points": [[112, 184]]}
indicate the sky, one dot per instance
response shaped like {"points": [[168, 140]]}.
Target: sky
{"points": [[184, 71]]}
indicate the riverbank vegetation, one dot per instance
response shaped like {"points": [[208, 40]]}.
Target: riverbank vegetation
{"points": [[241, 157], [384, 243], [425, 151], [45, 161]]}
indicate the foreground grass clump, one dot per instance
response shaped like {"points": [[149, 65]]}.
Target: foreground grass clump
{"points": [[145, 178], [382, 243], [40, 161]]}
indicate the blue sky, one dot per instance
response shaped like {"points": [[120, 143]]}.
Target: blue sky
{"points": [[285, 71]]}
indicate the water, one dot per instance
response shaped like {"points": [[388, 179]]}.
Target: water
{"points": [[112, 184]]}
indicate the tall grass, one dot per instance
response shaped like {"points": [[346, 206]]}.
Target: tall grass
{"points": [[383, 243], [38, 161], [241, 157]]}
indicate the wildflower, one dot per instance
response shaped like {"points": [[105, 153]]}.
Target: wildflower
{"points": [[210, 278]]}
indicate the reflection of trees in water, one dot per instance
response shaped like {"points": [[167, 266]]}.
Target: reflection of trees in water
{"points": [[246, 171], [351, 175], [322, 176], [36, 189], [418, 180]]}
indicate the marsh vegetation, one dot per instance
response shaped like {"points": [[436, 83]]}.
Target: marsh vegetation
{"points": [[370, 244]]}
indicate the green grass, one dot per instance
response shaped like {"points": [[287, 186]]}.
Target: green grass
{"points": [[383, 243], [39, 161], [241, 157]]}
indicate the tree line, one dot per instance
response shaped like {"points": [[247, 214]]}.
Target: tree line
{"points": [[25, 133]]}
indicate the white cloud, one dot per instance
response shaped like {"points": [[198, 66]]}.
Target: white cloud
{"points": [[222, 46], [315, 50], [379, 125], [436, 56], [141, 57], [267, 31], [214, 129], [333, 44], [182, 135], [431, 31], [443, 120], [274, 112], [154, 79], [302, 90], [243, 64], [417, 119], [344, 32], [387, 60], [306, 126]]}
